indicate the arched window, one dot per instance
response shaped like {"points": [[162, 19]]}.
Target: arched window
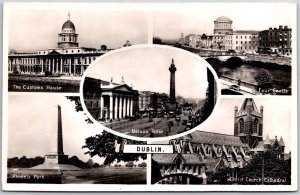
{"points": [[254, 125], [242, 126]]}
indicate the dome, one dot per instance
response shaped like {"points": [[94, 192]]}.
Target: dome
{"points": [[223, 19], [68, 24]]}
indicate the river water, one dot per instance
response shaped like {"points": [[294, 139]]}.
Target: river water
{"points": [[246, 73]]}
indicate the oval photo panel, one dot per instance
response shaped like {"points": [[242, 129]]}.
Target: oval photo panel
{"points": [[149, 91]]}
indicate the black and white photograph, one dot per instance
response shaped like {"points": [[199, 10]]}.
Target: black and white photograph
{"points": [[249, 146], [135, 97], [47, 55], [55, 143], [150, 91], [250, 47]]}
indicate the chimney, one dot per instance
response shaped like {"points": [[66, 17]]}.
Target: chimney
{"points": [[280, 27]]}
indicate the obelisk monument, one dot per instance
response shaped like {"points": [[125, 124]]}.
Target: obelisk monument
{"points": [[56, 159]]}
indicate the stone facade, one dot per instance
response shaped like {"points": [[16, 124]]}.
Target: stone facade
{"points": [[67, 59], [278, 39]]}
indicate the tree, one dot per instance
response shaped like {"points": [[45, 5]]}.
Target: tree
{"points": [[142, 164], [78, 106], [129, 164], [157, 40], [104, 146], [96, 165], [263, 79], [262, 165], [89, 163]]}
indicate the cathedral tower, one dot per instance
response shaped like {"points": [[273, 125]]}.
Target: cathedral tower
{"points": [[248, 122]]}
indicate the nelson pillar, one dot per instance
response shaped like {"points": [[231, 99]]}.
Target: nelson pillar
{"points": [[172, 105], [172, 70]]}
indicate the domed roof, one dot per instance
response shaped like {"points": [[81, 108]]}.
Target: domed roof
{"points": [[223, 19], [68, 24]]}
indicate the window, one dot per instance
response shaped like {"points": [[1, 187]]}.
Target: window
{"points": [[242, 126], [249, 42], [260, 130], [241, 42], [254, 125], [237, 37], [245, 42], [72, 51], [245, 37]]}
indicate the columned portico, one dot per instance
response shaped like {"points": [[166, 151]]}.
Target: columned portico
{"points": [[117, 101]]}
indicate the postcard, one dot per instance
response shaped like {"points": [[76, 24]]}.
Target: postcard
{"points": [[141, 96]]}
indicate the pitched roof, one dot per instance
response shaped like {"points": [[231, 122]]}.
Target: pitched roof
{"points": [[164, 158], [248, 102], [189, 159], [192, 159], [216, 138], [281, 142], [267, 141]]}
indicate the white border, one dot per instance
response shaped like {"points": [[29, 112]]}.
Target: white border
{"points": [[148, 187]]}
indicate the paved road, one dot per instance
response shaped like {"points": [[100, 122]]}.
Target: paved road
{"points": [[143, 128]]}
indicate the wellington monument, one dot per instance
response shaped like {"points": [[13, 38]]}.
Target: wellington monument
{"points": [[56, 159]]}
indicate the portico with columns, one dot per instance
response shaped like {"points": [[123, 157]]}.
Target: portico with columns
{"points": [[117, 101]]}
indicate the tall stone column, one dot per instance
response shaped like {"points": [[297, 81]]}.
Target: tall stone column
{"points": [[116, 107], [172, 70], [101, 106], [59, 133], [110, 107]]}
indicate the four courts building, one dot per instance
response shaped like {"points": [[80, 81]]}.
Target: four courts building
{"points": [[67, 59]]}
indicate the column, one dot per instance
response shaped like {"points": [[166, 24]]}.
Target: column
{"points": [[116, 107], [42, 64], [74, 72], [127, 106], [53, 65], [124, 106], [56, 65], [101, 106], [131, 107], [81, 69], [110, 107], [120, 107], [69, 60], [61, 65]]}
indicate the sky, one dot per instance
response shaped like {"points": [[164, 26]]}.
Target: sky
{"points": [[276, 118], [32, 125], [34, 29], [200, 19], [147, 68]]}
